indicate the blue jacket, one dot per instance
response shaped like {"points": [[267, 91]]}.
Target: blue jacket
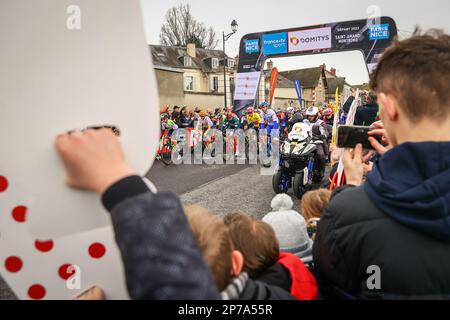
{"points": [[411, 184]]}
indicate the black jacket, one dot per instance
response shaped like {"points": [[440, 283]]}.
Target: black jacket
{"points": [[244, 288], [160, 255], [184, 122], [278, 276], [399, 220], [366, 114], [256, 290]]}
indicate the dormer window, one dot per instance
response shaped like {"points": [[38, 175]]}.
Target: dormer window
{"points": [[230, 63], [214, 63], [187, 61]]}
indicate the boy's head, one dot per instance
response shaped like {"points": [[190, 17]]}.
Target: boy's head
{"points": [[256, 240], [314, 203], [412, 83], [214, 242]]}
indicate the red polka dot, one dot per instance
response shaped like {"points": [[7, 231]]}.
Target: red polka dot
{"points": [[3, 183], [36, 292], [13, 264], [66, 271], [97, 250], [44, 246], [19, 213]]}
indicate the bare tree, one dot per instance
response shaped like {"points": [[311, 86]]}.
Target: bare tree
{"points": [[181, 28]]}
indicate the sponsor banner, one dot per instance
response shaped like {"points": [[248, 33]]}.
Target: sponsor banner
{"points": [[379, 32], [274, 43], [348, 35], [308, 40], [246, 85], [252, 46]]}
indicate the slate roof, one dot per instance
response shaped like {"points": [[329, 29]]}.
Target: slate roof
{"points": [[334, 83], [309, 78], [168, 56]]}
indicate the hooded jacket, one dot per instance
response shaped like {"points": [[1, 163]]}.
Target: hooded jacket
{"points": [[398, 223]]}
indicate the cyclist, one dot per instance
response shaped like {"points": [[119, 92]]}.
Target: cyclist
{"points": [[231, 122], [271, 123], [328, 116], [205, 123], [167, 124], [253, 119]]}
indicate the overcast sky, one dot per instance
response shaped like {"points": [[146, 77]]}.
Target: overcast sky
{"points": [[258, 15]]}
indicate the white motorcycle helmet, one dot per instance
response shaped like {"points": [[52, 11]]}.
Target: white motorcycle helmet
{"points": [[290, 110], [312, 112]]}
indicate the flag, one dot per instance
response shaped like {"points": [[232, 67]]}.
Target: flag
{"points": [[298, 88], [273, 83], [336, 117]]}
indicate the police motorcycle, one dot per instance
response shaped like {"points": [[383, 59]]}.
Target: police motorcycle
{"points": [[297, 168]]}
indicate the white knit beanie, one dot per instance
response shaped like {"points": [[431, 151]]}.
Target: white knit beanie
{"points": [[281, 202]]}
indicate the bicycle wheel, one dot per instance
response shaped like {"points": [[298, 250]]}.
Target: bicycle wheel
{"points": [[166, 153]]}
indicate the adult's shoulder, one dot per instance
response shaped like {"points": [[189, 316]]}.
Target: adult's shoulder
{"points": [[351, 205]]}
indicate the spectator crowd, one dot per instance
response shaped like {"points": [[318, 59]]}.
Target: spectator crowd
{"points": [[385, 234]]}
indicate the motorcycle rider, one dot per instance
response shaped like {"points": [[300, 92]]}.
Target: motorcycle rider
{"points": [[296, 117], [319, 131]]}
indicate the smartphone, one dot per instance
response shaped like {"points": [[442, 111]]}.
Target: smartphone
{"points": [[350, 136]]}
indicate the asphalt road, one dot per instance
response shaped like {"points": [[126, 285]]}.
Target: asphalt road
{"points": [[184, 178]]}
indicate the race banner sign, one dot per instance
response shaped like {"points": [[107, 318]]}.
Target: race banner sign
{"points": [[370, 36]]}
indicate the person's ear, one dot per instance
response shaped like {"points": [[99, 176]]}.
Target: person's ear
{"points": [[388, 106], [237, 263]]}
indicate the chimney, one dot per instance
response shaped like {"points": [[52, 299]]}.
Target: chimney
{"points": [[333, 71], [191, 50], [270, 65]]}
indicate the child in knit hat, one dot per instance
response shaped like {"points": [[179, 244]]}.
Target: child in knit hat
{"points": [[290, 228]]}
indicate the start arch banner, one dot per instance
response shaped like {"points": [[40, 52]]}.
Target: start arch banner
{"points": [[370, 36]]}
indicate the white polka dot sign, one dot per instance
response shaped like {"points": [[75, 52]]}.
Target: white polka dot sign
{"points": [[61, 72]]}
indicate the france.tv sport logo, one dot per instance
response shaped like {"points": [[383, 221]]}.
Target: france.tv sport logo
{"points": [[252, 46], [275, 43], [379, 32]]}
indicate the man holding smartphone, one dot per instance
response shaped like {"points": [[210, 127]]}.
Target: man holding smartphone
{"points": [[395, 228]]}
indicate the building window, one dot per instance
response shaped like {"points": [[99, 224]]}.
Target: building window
{"points": [[187, 61], [215, 83], [230, 63], [189, 83], [214, 63]]}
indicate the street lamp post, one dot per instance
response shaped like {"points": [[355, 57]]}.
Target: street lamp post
{"points": [[234, 27]]}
